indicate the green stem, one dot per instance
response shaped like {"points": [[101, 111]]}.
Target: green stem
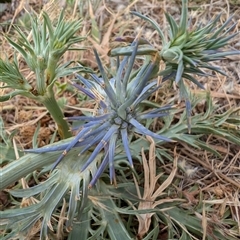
{"points": [[51, 68], [52, 106]]}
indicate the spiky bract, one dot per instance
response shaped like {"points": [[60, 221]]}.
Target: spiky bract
{"points": [[118, 115]]}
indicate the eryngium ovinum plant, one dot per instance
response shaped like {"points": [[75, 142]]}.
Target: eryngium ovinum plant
{"points": [[119, 114], [41, 50], [187, 51], [119, 117]]}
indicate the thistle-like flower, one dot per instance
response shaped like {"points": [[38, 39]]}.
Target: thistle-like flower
{"points": [[118, 115], [186, 52]]}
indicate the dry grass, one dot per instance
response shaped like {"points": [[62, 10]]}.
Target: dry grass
{"points": [[215, 179]]}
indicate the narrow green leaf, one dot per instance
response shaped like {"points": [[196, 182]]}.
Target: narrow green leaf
{"points": [[184, 17], [154, 24], [18, 48], [49, 25], [173, 25]]}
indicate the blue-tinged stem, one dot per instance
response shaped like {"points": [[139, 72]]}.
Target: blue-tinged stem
{"points": [[112, 146], [135, 93], [71, 145], [129, 68], [107, 86], [84, 90], [145, 94], [119, 76], [100, 146], [88, 118], [48, 149], [141, 129], [133, 84], [99, 172], [124, 134], [91, 141]]}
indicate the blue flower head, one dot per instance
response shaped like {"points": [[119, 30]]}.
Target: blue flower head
{"points": [[118, 115]]}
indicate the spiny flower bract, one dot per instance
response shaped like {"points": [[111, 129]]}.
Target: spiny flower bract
{"points": [[118, 114], [187, 51]]}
